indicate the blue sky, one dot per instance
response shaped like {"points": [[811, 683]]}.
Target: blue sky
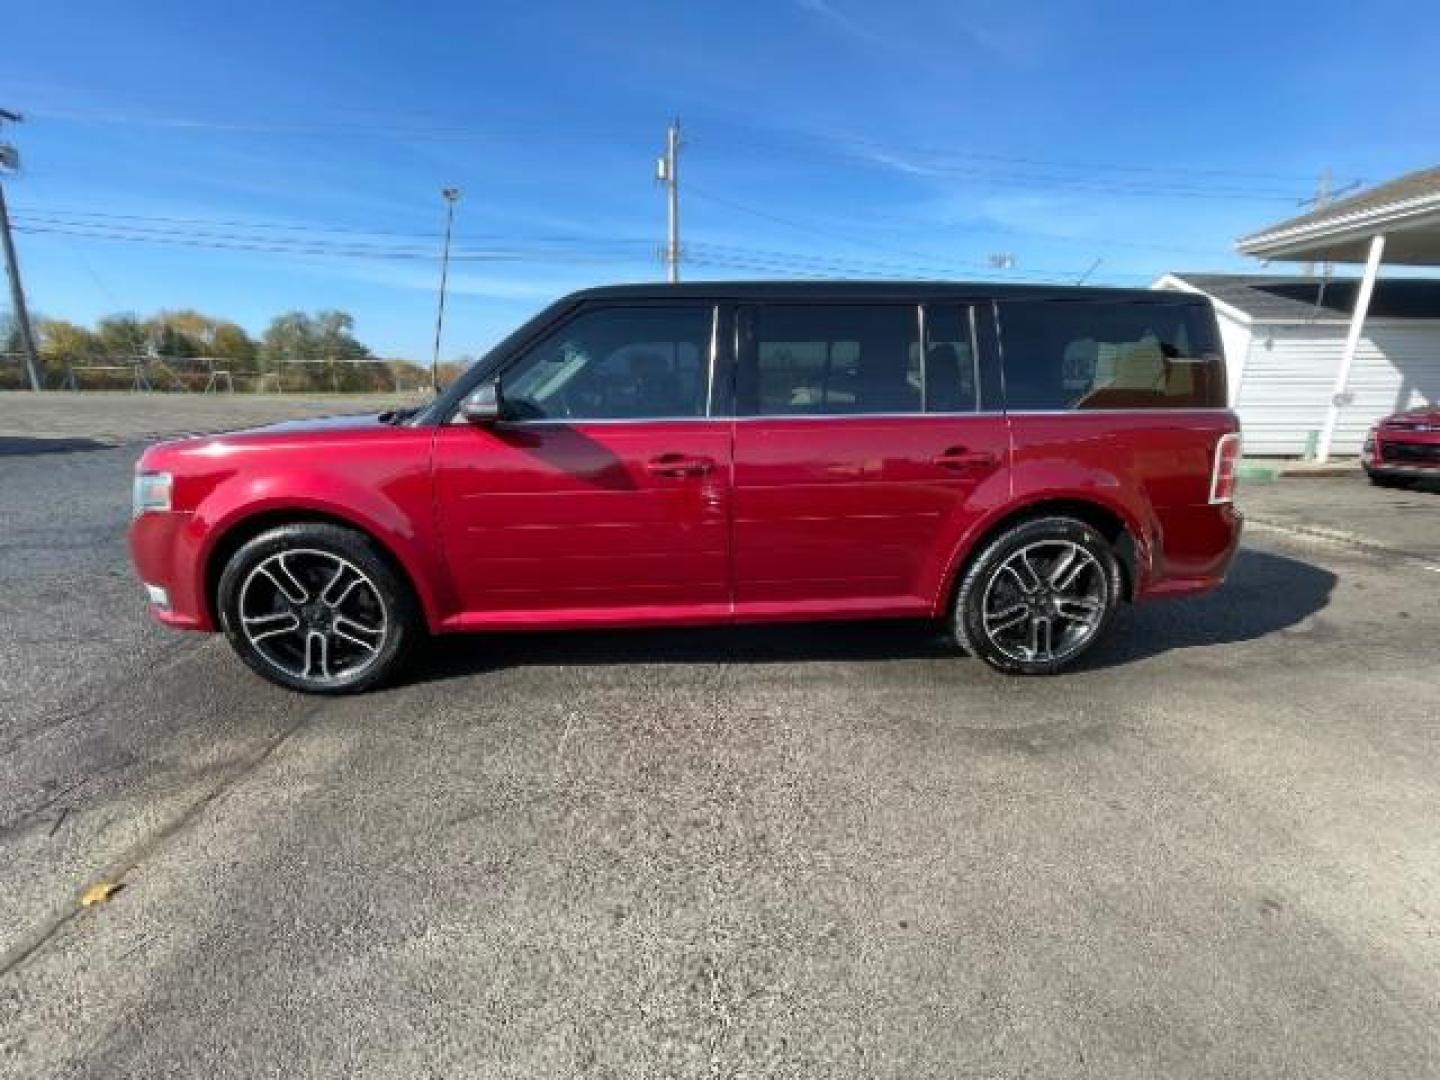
{"points": [[822, 136]]}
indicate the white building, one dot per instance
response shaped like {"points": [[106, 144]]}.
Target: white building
{"points": [[1285, 339], [1315, 364]]}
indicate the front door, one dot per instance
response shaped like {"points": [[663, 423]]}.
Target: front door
{"points": [[861, 458], [603, 496]]}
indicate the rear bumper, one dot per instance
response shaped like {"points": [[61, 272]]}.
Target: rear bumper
{"points": [[163, 551], [1195, 552]]}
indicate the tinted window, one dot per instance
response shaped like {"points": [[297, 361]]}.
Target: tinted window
{"points": [[617, 363], [949, 377], [824, 359], [1081, 354]]}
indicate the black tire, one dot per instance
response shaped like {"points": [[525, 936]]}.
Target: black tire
{"points": [[1081, 611], [1381, 480], [352, 655]]}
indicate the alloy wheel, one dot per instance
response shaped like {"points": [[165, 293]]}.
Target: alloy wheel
{"points": [[313, 615], [1045, 601]]}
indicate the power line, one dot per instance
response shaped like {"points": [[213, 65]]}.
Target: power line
{"points": [[710, 253], [974, 164], [74, 217], [242, 244], [61, 216], [306, 245]]}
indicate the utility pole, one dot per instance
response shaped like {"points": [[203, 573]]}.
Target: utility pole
{"points": [[1322, 199], [9, 162], [1325, 194], [451, 195], [668, 172]]}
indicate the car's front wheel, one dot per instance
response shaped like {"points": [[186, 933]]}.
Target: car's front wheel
{"points": [[318, 608], [1037, 596]]}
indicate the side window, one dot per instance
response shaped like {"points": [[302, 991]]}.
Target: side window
{"points": [[823, 359], [949, 376], [820, 359], [1084, 354], [615, 364]]}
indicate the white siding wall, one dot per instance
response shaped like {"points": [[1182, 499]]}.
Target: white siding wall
{"points": [[1290, 373], [1235, 340]]}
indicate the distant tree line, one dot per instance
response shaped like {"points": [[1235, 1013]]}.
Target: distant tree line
{"points": [[189, 350]]}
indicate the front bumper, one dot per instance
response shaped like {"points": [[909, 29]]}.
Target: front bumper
{"points": [[1401, 453], [1417, 472], [161, 549]]}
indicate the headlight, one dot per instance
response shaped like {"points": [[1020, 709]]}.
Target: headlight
{"points": [[151, 492]]}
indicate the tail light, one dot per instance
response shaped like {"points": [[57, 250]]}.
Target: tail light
{"points": [[1227, 462]]}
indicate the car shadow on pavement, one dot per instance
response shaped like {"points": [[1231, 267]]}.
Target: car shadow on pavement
{"points": [[1265, 593], [462, 655], [12, 445], [1425, 486]]}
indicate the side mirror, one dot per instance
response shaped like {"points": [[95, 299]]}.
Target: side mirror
{"points": [[483, 405]]}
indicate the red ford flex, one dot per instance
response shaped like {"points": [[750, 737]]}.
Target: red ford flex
{"points": [[1014, 461]]}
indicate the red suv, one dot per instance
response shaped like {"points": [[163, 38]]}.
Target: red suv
{"points": [[1013, 460], [1403, 448]]}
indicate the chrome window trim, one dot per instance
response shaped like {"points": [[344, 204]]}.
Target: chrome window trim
{"points": [[610, 420], [1217, 409], [811, 417]]}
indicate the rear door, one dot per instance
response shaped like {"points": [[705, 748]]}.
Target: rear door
{"points": [[861, 455], [1123, 399], [604, 496]]}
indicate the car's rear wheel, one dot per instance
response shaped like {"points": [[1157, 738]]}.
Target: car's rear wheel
{"points": [[1038, 596], [318, 608]]}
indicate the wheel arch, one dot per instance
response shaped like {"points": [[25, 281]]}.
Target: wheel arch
{"points": [[1122, 533], [244, 529]]}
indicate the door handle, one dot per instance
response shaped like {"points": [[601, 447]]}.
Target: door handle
{"points": [[678, 465], [957, 457]]}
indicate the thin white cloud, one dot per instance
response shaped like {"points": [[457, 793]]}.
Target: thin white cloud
{"points": [[840, 21], [896, 162]]}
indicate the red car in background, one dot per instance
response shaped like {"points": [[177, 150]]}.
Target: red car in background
{"points": [[1015, 461], [1403, 448]]}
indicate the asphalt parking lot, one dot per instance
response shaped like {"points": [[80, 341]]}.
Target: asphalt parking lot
{"points": [[817, 851]]}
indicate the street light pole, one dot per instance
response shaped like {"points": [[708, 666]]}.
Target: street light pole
{"points": [[451, 195]]}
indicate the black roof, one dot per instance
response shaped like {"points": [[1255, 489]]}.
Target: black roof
{"points": [[1306, 299], [862, 290]]}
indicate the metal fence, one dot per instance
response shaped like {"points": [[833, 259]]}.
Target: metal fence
{"points": [[200, 375]]}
